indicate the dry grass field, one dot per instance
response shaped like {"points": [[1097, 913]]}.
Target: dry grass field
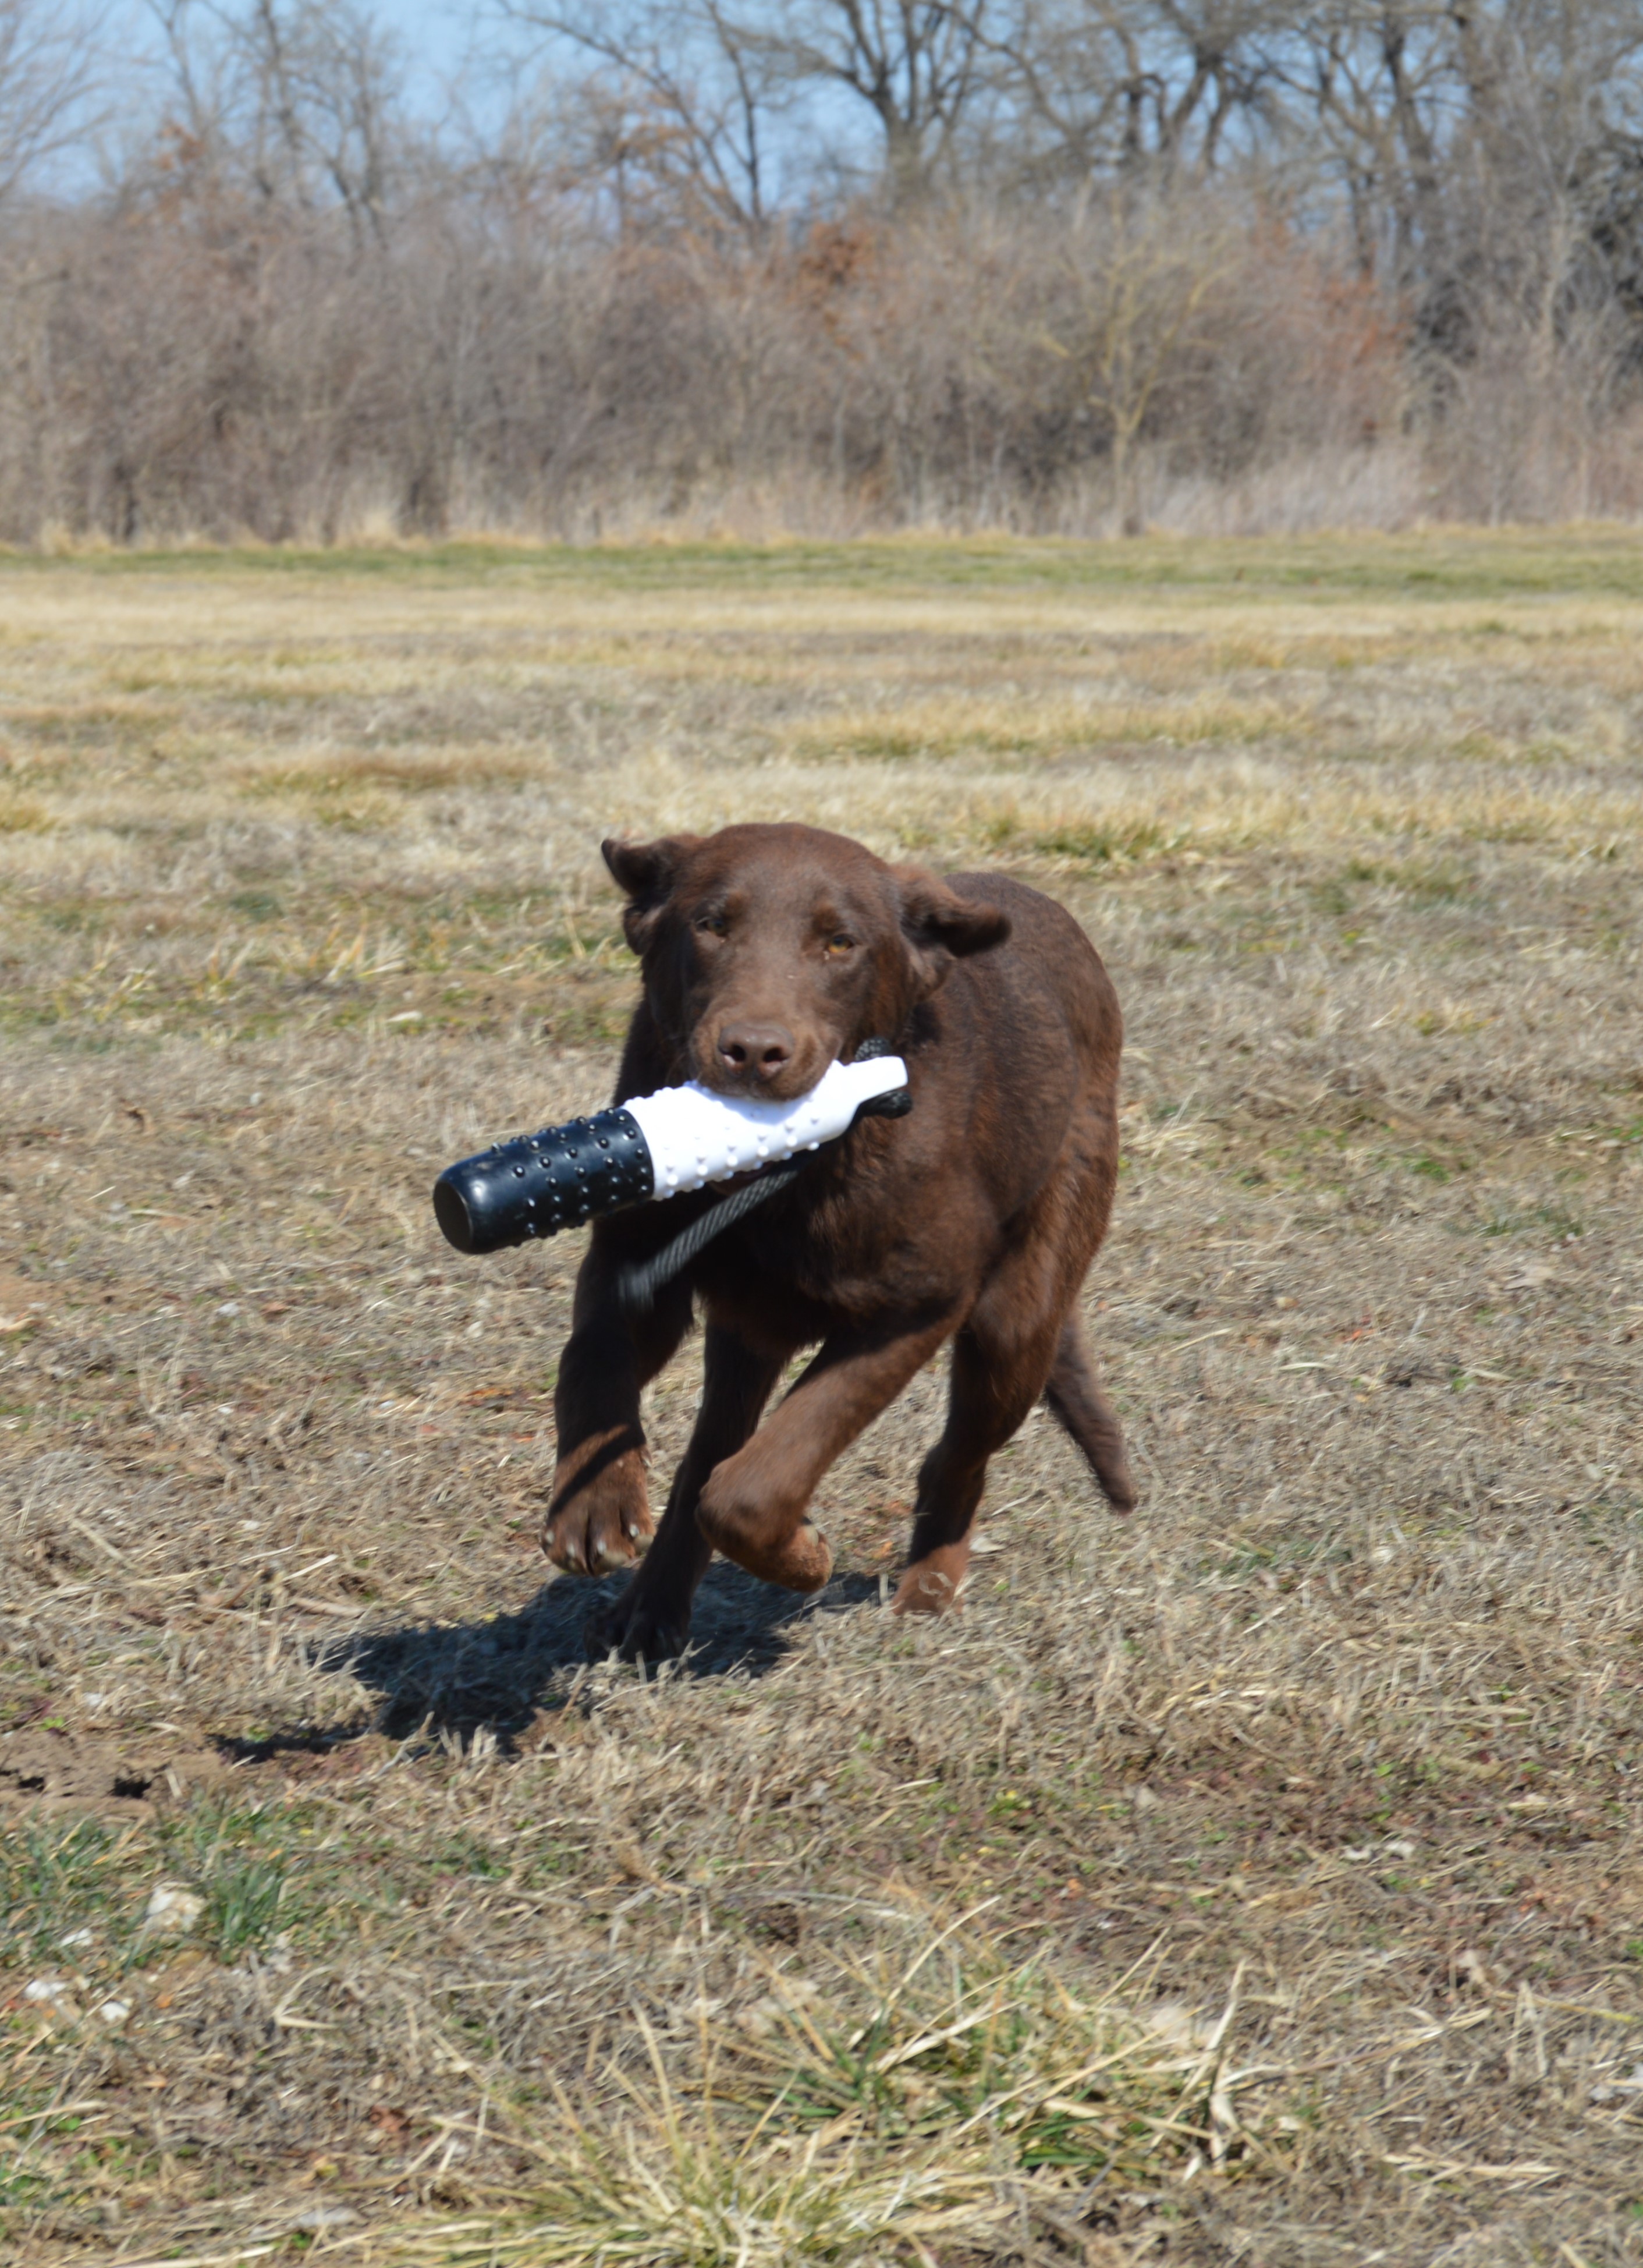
{"points": [[1256, 1880]]}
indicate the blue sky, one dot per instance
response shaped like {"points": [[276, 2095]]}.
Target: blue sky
{"points": [[434, 38], [434, 35], [443, 75]]}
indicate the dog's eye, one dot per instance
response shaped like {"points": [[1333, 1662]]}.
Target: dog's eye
{"points": [[712, 925], [839, 944]]}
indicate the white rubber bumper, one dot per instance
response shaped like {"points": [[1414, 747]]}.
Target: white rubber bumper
{"points": [[695, 1136]]}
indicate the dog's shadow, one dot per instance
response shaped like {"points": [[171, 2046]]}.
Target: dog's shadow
{"points": [[460, 1678]]}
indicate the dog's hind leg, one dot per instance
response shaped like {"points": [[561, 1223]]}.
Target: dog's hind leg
{"points": [[1074, 1396]]}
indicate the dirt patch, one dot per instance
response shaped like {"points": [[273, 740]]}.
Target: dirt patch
{"points": [[22, 1304], [63, 1771]]}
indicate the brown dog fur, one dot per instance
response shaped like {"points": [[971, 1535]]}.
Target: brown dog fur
{"points": [[767, 952]]}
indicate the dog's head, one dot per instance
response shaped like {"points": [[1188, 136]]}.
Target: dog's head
{"points": [[770, 952]]}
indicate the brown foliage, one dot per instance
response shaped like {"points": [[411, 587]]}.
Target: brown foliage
{"points": [[197, 362]]}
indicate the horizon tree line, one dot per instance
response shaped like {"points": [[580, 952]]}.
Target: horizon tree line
{"points": [[1074, 263]]}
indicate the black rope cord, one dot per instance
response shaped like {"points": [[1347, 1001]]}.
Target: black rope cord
{"points": [[638, 1283]]}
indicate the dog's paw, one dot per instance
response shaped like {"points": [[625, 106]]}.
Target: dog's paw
{"points": [[801, 1562], [603, 1522], [636, 1628], [934, 1585], [800, 1558]]}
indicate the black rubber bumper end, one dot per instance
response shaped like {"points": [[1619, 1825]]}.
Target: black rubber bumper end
{"points": [[543, 1182]]}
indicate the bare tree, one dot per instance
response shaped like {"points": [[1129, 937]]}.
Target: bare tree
{"points": [[304, 96], [1133, 284], [1415, 99], [679, 109], [706, 81], [917, 65], [50, 73], [1153, 86], [1379, 77]]}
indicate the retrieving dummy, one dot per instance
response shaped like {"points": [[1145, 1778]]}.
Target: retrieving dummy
{"points": [[655, 1147]]}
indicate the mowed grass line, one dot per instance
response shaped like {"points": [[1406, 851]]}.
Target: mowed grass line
{"points": [[1258, 1878], [1434, 564]]}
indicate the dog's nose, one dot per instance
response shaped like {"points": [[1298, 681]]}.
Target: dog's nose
{"points": [[755, 1051]]}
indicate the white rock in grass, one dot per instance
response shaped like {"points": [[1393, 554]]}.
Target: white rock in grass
{"points": [[51, 1993], [321, 2217], [170, 1908], [75, 1937], [761, 2019], [115, 2011], [1182, 2026]]}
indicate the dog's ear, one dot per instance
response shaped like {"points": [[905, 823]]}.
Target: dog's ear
{"points": [[940, 927], [646, 871]]}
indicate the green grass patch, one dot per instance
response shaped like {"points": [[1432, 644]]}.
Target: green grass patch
{"points": [[894, 2112], [255, 1868], [1083, 844], [56, 1881], [1485, 565], [1556, 1219]]}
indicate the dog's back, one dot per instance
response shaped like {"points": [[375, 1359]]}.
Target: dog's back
{"points": [[1038, 1026]]}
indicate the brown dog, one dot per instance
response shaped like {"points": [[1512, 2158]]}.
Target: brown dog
{"points": [[768, 953]]}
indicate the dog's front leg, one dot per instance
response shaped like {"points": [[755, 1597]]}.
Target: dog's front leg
{"points": [[754, 1505], [599, 1515], [652, 1616]]}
